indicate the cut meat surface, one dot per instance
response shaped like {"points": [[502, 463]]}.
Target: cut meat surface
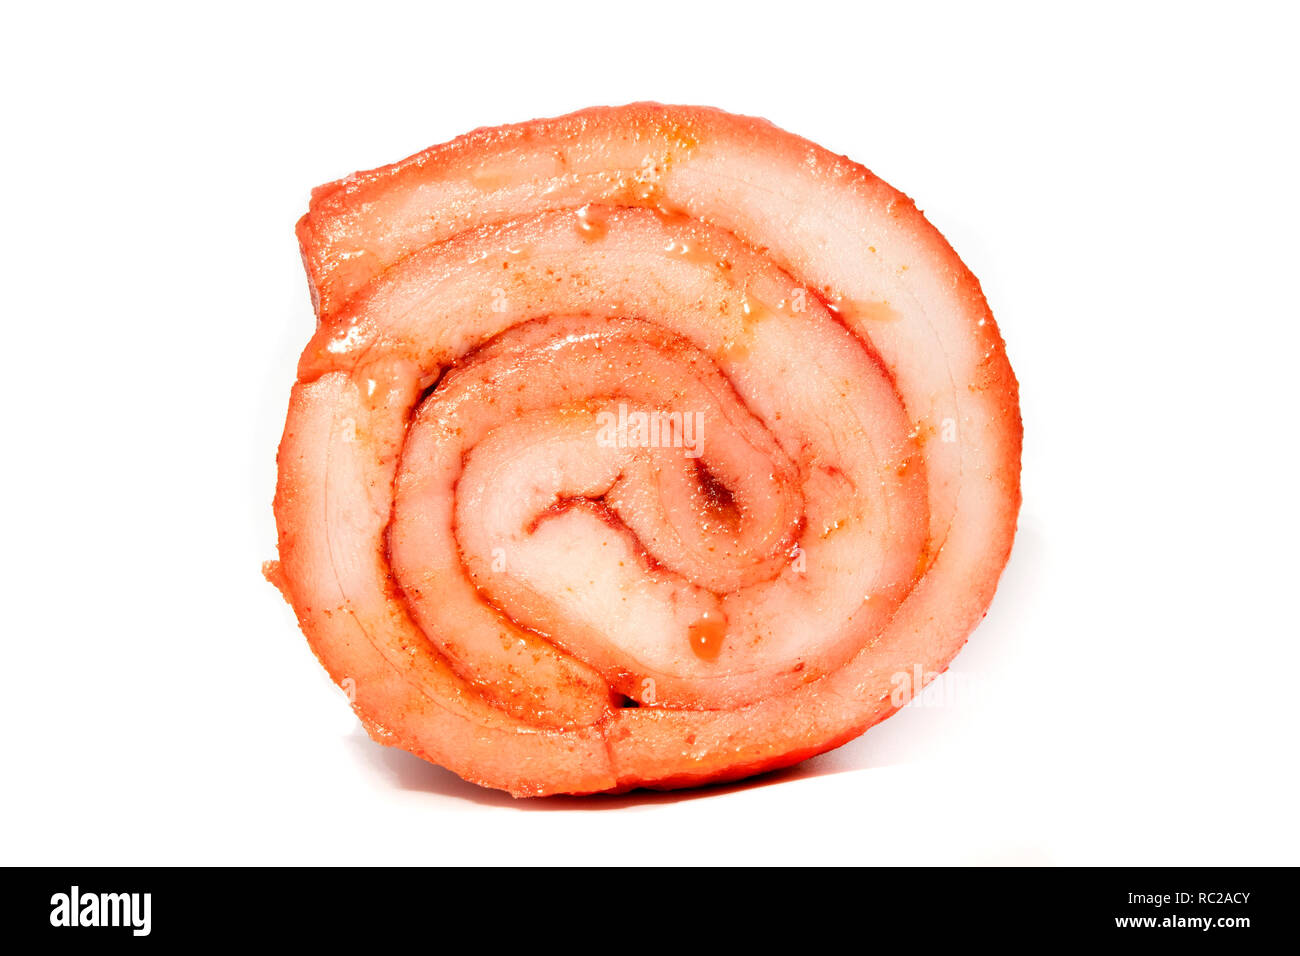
{"points": [[646, 446]]}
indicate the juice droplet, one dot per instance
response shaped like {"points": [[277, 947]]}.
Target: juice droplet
{"points": [[667, 215], [862, 309], [378, 388], [753, 311], [707, 634], [736, 348], [591, 222]]}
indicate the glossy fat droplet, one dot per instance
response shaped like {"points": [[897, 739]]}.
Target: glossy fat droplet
{"points": [[591, 222], [707, 635]]}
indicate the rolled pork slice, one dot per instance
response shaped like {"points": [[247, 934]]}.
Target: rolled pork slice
{"points": [[644, 447]]}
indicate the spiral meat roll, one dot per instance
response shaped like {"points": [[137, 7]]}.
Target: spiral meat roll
{"points": [[642, 447]]}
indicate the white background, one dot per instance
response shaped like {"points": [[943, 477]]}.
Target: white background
{"points": [[1123, 181]]}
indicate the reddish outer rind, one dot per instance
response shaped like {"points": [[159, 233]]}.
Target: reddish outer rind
{"points": [[642, 747]]}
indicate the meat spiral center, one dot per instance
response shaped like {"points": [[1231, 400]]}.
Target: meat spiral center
{"points": [[629, 502]]}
